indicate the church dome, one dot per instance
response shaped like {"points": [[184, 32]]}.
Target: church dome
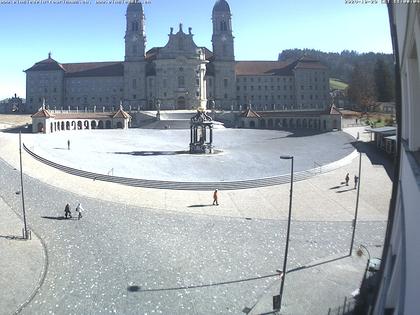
{"points": [[221, 6], [134, 6]]}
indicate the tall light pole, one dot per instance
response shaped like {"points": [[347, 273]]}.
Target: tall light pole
{"points": [[286, 250], [25, 231], [357, 205]]}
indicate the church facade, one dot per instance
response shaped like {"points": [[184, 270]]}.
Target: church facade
{"points": [[179, 75]]}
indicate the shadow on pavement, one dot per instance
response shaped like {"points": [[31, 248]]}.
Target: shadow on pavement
{"points": [[22, 129], [304, 133], [136, 288], [199, 206], [152, 153], [13, 237], [341, 191], [376, 156], [57, 218], [318, 264]]}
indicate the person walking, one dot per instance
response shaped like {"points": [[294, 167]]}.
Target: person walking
{"points": [[68, 144], [215, 200], [347, 179], [79, 211], [356, 180], [67, 212]]}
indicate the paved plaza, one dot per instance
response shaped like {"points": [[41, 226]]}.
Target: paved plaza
{"points": [[242, 154], [149, 251]]}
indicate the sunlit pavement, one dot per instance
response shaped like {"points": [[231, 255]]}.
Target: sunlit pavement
{"points": [[193, 260]]}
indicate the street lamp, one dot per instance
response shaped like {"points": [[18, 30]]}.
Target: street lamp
{"points": [[286, 250], [25, 231], [357, 204]]}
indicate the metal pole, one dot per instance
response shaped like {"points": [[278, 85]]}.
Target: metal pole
{"points": [[357, 205], [25, 236], [286, 250]]}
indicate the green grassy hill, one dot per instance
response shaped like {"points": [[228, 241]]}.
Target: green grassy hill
{"points": [[336, 84]]}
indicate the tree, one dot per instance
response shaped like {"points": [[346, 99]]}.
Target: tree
{"points": [[361, 88], [383, 82]]}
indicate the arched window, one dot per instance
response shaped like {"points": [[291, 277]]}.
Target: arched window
{"points": [[181, 81], [223, 26]]}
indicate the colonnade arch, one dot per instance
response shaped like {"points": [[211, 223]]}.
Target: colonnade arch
{"points": [[289, 123], [77, 124]]}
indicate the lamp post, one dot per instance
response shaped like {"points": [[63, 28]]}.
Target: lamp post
{"points": [[357, 205], [25, 231], [286, 250]]}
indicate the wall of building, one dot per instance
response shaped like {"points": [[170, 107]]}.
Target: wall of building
{"points": [[40, 85], [92, 91], [264, 91], [399, 288], [311, 88]]}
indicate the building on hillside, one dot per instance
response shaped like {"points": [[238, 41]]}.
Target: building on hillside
{"points": [[399, 287], [50, 121], [179, 75]]}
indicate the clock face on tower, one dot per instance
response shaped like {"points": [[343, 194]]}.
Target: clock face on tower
{"points": [[224, 38], [134, 38]]}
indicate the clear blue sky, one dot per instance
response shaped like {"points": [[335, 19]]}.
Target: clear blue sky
{"points": [[262, 29]]}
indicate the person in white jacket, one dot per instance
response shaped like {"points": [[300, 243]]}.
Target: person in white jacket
{"points": [[79, 211]]}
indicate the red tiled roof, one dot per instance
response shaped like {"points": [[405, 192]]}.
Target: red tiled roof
{"points": [[94, 69], [277, 67], [334, 110], [48, 64], [83, 115], [263, 68], [121, 114], [249, 113], [42, 113], [291, 113]]}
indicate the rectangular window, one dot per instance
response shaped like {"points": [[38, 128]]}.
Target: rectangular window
{"points": [[225, 83], [134, 84]]}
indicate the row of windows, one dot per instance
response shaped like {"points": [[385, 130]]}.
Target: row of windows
{"points": [[311, 97], [265, 79], [302, 87], [259, 87], [266, 97]]}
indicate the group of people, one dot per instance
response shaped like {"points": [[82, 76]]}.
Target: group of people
{"points": [[356, 180], [67, 212]]}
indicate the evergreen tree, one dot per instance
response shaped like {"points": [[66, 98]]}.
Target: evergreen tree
{"points": [[383, 82]]}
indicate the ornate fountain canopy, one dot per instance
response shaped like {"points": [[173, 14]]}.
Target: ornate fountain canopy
{"points": [[201, 118]]}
